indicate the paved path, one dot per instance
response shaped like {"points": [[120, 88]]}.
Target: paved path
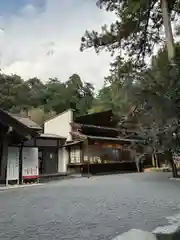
{"points": [[88, 209]]}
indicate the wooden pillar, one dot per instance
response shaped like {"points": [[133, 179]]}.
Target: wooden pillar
{"points": [[88, 159], [4, 160], [21, 164], [69, 155], [82, 149]]}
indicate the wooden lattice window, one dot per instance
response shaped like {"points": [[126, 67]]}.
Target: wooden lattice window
{"points": [[75, 155]]}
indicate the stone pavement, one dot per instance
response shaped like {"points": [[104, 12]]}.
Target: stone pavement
{"points": [[2, 187], [97, 208]]}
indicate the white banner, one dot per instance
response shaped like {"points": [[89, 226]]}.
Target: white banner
{"points": [[13, 163], [30, 163]]}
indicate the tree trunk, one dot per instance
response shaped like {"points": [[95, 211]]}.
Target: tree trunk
{"points": [[156, 160], [139, 164], [168, 31], [173, 165], [153, 161]]}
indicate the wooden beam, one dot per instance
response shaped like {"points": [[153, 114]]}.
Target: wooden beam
{"points": [[79, 135], [88, 158], [78, 126]]}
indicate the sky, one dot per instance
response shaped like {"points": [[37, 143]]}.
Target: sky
{"points": [[41, 38]]}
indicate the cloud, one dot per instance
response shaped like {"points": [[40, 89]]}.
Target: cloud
{"points": [[44, 42]]}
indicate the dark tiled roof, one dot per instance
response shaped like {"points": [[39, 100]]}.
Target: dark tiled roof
{"points": [[92, 137], [49, 135], [105, 118], [72, 143], [27, 122], [112, 138]]}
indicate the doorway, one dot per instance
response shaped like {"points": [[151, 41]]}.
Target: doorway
{"points": [[48, 160]]}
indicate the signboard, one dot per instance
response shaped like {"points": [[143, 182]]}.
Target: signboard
{"points": [[13, 164], [30, 163], [110, 145]]}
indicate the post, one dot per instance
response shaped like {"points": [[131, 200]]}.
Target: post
{"points": [[4, 160], [21, 163], [81, 157], [173, 165], [88, 160]]}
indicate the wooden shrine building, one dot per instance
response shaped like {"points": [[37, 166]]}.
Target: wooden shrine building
{"points": [[97, 145], [14, 131], [94, 144]]}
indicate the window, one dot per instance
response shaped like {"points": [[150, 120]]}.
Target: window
{"points": [[75, 155]]}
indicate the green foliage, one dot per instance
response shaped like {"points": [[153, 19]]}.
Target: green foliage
{"points": [[138, 27], [117, 90], [147, 103], [40, 100], [39, 116]]}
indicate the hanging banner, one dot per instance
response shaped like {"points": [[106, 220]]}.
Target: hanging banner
{"points": [[13, 164], [30, 163]]}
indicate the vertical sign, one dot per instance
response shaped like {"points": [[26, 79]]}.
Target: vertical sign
{"points": [[13, 164], [30, 163]]}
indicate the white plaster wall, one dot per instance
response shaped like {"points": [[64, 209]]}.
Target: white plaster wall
{"points": [[62, 160], [60, 125]]}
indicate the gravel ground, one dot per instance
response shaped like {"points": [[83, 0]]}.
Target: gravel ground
{"points": [[88, 209]]}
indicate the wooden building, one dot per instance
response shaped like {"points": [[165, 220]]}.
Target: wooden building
{"points": [[26, 154], [94, 143], [101, 148], [49, 153], [14, 131]]}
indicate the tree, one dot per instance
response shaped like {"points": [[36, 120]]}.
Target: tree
{"points": [[39, 116], [168, 29], [54, 96], [157, 105], [146, 104], [80, 95], [103, 100], [74, 89], [137, 30], [36, 89], [86, 99], [117, 89], [41, 100], [14, 94], [138, 27]]}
